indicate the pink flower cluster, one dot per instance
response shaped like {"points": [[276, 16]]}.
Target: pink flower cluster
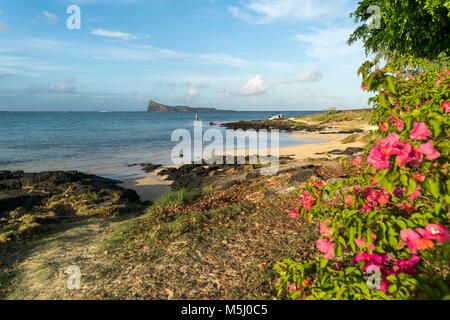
{"points": [[357, 161], [376, 261], [446, 106], [374, 198], [361, 242], [421, 239], [379, 262], [325, 245], [438, 83], [307, 200], [405, 154]]}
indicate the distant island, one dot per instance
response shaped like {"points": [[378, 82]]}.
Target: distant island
{"points": [[157, 107]]}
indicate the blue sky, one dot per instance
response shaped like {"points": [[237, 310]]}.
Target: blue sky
{"points": [[240, 55]]}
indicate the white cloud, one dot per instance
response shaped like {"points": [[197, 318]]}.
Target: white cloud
{"points": [[313, 75], [50, 16], [265, 11], [111, 34], [119, 35], [330, 44], [192, 92], [126, 52], [255, 86], [67, 86]]}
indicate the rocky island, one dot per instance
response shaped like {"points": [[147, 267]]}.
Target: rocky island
{"points": [[157, 107]]}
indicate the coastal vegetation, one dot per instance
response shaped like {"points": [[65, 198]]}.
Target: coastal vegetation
{"points": [[367, 223], [388, 236]]}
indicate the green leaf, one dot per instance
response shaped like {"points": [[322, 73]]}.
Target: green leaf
{"points": [[390, 84], [432, 185], [436, 127], [412, 185]]}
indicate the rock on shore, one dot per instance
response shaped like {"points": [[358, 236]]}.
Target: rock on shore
{"points": [[18, 189]]}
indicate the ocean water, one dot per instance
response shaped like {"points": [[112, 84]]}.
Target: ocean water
{"points": [[105, 144]]}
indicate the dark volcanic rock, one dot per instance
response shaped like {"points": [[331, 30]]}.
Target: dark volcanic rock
{"points": [[343, 131], [303, 175], [347, 152], [192, 176], [150, 167], [18, 189], [281, 125]]}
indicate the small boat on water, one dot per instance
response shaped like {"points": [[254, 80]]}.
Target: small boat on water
{"points": [[277, 117]]}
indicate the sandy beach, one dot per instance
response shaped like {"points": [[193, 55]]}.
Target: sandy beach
{"points": [[153, 187], [305, 151], [149, 188]]}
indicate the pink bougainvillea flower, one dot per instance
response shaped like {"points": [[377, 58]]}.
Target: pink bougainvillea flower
{"points": [[293, 287], [319, 183], [357, 190], [324, 230], [327, 247], [406, 154], [399, 192], [428, 150], [375, 196], [416, 239], [437, 232], [420, 177], [383, 286], [391, 118], [378, 159], [438, 83], [305, 283], [416, 193], [349, 200], [420, 131], [373, 259], [388, 144], [384, 126], [364, 87], [294, 213], [366, 207], [399, 124], [308, 204], [408, 207], [446, 106], [357, 161], [360, 242], [406, 266]]}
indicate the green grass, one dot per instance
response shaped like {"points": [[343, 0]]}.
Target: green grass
{"points": [[179, 197], [338, 116], [351, 138]]}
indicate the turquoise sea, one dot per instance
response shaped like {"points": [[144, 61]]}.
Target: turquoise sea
{"points": [[103, 143]]}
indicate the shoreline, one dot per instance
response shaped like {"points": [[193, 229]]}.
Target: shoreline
{"points": [[152, 187]]}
